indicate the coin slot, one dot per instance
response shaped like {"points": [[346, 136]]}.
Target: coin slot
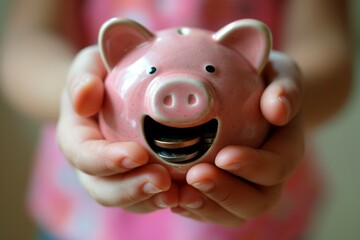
{"points": [[179, 145]]}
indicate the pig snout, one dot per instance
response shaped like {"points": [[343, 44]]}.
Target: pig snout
{"points": [[179, 100]]}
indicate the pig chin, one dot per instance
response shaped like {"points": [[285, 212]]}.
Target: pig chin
{"points": [[179, 145]]}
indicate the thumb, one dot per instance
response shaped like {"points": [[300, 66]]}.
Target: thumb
{"points": [[85, 82]]}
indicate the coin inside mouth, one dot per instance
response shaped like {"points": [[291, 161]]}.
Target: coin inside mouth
{"points": [[179, 145]]}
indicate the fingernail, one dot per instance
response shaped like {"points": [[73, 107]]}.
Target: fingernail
{"points": [[183, 212], [285, 102], [158, 201], [195, 204], [151, 188], [204, 186], [231, 167], [80, 81]]}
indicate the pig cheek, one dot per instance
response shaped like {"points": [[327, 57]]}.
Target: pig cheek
{"points": [[110, 112], [240, 118], [255, 127]]}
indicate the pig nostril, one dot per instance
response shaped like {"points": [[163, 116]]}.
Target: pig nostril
{"points": [[168, 101], [192, 99]]}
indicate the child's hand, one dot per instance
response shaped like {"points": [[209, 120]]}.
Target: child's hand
{"points": [[114, 173], [257, 175]]}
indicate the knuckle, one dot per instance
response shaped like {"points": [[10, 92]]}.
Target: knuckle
{"points": [[263, 205], [225, 199], [93, 191], [100, 199], [286, 169], [76, 161], [282, 173], [109, 167], [259, 210], [108, 199]]}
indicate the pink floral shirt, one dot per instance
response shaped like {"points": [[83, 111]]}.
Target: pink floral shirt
{"points": [[62, 207]]}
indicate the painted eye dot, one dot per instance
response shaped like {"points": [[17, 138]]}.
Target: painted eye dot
{"points": [[210, 68], [152, 70]]}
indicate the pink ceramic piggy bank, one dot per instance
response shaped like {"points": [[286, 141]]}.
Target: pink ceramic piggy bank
{"points": [[184, 93]]}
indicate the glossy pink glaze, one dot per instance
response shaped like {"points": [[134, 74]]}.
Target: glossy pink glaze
{"points": [[183, 78]]}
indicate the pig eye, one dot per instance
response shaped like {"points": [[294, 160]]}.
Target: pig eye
{"points": [[210, 68], [152, 70]]}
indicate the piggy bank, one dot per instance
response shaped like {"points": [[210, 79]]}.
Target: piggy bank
{"points": [[184, 93]]}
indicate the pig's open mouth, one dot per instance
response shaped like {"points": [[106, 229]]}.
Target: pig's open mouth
{"points": [[179, 145]]}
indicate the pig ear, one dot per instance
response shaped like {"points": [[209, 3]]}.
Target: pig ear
{"points": [[119, 36], [250, 38]]}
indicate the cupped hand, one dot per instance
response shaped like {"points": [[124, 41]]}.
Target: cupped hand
{"points": [[246, 182], [113, 173]]}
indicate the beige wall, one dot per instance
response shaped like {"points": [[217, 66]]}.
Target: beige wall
{"points": [[338, 144], [17, 139], [339, 147]]}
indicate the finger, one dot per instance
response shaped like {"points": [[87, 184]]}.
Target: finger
{"points": [[238, 197], [270, 165], [195, 205], [83, 145], [85, 82], [185, 213], [126, 190], [162, 200], [189, 200], [282, 98], [103, 158]]}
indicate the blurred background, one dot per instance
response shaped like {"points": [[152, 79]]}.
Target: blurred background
{"points": [[18, 138], [337, 143]]}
